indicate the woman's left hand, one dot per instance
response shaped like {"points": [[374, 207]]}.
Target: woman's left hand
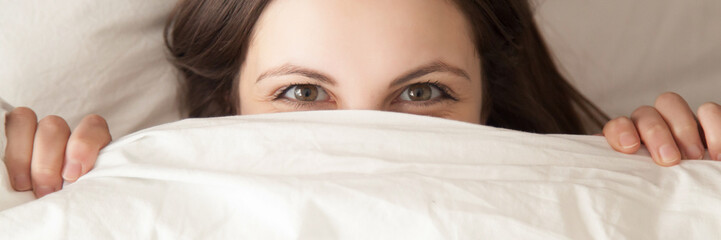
{"points": [[669, 130]]}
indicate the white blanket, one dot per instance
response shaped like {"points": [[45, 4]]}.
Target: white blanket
{"points": [[368, 175]]}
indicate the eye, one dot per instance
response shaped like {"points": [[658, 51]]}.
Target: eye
{"points": [[421, 92], [305, 93]]}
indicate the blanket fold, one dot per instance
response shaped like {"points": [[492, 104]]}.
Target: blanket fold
{"points": [[369, 175]]}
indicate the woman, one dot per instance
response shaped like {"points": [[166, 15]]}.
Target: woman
{"points": [[479, 61]]}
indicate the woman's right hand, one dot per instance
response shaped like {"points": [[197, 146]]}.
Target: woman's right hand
{"points": [[40, 154]]}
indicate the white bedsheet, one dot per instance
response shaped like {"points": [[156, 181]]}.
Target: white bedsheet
{"points": [[368, 175]]}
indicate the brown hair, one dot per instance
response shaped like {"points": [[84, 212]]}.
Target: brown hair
{"points": [[523, 89]]}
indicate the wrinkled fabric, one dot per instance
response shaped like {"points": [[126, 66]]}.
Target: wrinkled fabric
{"points": [[105, 57], [368, 175]]}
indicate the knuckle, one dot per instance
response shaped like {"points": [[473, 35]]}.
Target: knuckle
{"points": [[23, 114], [623, 118], [642, 110], [615, 124], [686, 131], [624, 121], [654, 129], [43, 172], [709, 108], [668, 97], [713, 141], [15, 160], [81, 145], [53, 124], [95, 120]]}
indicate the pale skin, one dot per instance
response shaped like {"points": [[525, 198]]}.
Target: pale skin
{"points": [[329, 54]]}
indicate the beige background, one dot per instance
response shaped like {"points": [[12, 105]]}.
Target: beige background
{"points": [[622, 54]]}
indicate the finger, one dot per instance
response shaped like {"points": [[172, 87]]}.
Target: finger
{"points": [[20, 132], [680, 119], [657, 136], [48, 155], [84, 145], [621, 134], [709, 115]]}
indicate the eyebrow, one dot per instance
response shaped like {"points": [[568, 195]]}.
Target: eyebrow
{"points": [[290, 69], [436, 66]]}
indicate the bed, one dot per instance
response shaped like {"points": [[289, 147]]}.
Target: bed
{"points": [[388, 175]]}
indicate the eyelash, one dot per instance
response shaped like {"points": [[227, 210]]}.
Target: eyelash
{"points": [[278, 95], [446, 94]]}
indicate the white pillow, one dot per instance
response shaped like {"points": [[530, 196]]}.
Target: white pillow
{"points": [[623, 54], [71, 58]]}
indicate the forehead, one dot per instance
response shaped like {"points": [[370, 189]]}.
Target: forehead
{"points": [[362, 36]]}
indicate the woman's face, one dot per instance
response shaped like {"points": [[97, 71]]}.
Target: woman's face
{"points": [[411, 56]]}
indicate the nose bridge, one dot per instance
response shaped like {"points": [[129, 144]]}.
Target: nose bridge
{"points": [[362, 107], [362, 97], [366, 102]]}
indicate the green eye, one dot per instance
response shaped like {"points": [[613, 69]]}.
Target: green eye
{"points": [[420, 92], [306, 93]]}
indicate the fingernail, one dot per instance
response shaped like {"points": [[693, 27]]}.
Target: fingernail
{"points": [[694, 152], [43, 190], [71, 172], [22, 182], [628, 140], [669, 154]]}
